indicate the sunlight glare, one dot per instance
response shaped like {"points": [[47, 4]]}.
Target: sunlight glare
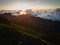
{"points": [[23, 12]]}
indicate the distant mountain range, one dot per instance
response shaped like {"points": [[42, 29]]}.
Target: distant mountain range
{"points": [[45, 14], [52, 15]]}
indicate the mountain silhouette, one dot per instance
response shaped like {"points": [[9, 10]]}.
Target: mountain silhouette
{"points": [[35, 29]]}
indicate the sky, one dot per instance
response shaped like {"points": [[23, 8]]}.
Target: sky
{"points": [[29, 4]]}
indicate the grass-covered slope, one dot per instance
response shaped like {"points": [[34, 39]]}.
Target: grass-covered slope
{"points": [[13, 32], [24, 30]]}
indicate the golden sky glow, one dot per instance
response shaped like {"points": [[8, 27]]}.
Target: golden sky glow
{"points": [[23, 12], [28, 4]]}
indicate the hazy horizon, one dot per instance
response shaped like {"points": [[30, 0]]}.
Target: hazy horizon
{"points": [[28, 4]]}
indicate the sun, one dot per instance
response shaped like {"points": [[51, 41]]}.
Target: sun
{"points": [[22, 12]]}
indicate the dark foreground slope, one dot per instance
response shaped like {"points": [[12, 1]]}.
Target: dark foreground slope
{"points": [[11, 36], [39, 24], [28, 30]]}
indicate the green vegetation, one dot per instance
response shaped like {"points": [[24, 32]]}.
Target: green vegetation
{"points": [[26, 31], [13, 32]]}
